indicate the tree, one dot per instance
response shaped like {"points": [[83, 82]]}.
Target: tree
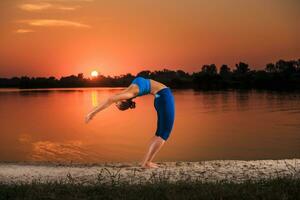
{"points": [[80, 76], [181, 73], [144, 73], [270, 68], [286, 67], [298, 65], [209, 69], [242, 68], [224, 70]]}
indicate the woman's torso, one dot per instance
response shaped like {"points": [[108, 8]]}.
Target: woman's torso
{"points": [[155, 86]]}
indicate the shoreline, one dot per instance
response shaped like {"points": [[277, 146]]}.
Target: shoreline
{"points": [[236, 171]]}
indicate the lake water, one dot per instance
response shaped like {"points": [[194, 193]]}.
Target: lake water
{"points": [[48, 125]]}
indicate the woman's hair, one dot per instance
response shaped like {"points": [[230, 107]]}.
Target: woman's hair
{"points": [[124, 105]]}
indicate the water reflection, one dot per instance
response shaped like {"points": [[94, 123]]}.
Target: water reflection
{"points": [[94, 98], [62, 152], [49, 126]]}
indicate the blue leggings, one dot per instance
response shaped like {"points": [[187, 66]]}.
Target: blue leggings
{"points": [[165, 107]]}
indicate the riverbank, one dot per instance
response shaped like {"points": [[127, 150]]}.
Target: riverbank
{"points": [[228, 179], [236, 171]]}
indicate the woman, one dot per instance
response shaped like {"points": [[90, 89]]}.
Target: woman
{"points": [[163, 103]]}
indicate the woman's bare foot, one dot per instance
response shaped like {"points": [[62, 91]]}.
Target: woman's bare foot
{"points": [[154, 164], [150, 165]]}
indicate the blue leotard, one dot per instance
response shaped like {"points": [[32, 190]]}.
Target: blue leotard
{"points": [[143, 84], [164, 105]]}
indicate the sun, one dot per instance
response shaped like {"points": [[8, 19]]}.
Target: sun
{"points": [[94, 73]]}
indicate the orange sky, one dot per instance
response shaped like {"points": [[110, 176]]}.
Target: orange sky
{"points": [[63, 37]]}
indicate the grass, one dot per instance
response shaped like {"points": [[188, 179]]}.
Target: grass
{"points": [[280, 188]]}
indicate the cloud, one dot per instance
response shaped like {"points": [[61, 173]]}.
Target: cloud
{"points": [[67, 7], [54, 22], [24, 31], [32, 7], [35, 7]]}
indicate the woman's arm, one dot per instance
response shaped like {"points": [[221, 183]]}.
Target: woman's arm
{"points": [[126, 94]]}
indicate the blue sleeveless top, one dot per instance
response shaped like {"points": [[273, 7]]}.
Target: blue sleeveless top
{"points": [[143, 84]]}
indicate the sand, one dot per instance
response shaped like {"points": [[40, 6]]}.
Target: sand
{"points": [[131, 173]]}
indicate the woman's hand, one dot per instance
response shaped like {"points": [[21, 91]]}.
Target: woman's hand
{"points": [[89, 117], [115, 98]]}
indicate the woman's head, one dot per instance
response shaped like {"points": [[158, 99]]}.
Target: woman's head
{"points": [[125, 104]]}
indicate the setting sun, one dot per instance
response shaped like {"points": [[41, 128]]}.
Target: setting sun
{"points": [[94, 73]]}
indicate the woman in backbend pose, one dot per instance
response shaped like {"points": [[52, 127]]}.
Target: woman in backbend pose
{"points": [[163, 103]]}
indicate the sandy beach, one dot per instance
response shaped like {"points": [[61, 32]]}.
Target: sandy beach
{"points": [[206, 171]]}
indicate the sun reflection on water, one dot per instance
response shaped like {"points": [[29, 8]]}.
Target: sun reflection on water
{"points": [[94, 98]]}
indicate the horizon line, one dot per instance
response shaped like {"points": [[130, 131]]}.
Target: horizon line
{"points": [[162, 69]]}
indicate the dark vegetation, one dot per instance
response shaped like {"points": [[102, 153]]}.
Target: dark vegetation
{"points": [[280, 188], [281, 75]]}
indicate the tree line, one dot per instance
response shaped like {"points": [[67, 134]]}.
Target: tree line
{"points": [[280, 75]]}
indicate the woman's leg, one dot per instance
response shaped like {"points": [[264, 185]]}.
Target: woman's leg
{"points": [[155, 145], [164, 105]]}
